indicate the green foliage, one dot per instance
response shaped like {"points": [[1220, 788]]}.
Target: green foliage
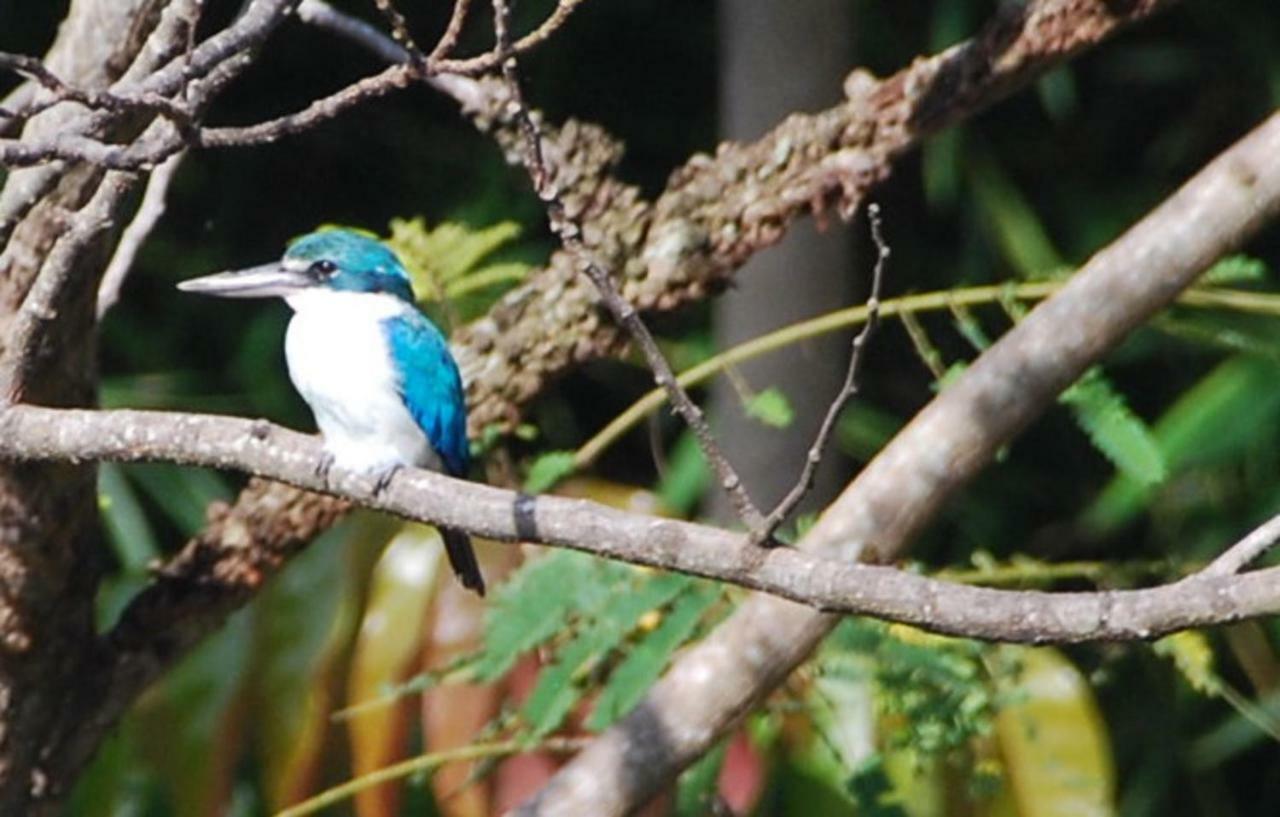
{"points": [[1193, 656], [1235, 269], [696, 788], [592, 619], [562, 683], [770, 407], [547, 470], [1114, 429], [1214, 421], [532, 606], [647, 658], [686, 478], [873, 792], [450, 261], [937, 688]]}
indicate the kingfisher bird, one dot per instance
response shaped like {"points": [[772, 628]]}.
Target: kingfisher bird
{"points": [[376, 372]]}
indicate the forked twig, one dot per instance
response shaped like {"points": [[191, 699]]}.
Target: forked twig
{"points": [[570, 234], [857, 352]]}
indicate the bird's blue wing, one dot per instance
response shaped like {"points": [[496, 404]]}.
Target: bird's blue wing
{"points": [[431, 386]]}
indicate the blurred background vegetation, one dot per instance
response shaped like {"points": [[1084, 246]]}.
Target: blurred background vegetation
{"points": [[1151, 464]]}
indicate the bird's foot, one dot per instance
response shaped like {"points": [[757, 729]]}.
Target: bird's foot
{"points": [[384, 479], [323, 467]]}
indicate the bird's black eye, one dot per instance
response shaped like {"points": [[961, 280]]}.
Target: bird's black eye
{"points": [[323, 268]]}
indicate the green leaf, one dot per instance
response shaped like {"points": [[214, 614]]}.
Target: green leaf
{"points": [[1214, 421], [770, 407], [1192, 655], [696, 788], [183, 493], [547, 470], [559, 687], [1114, 429], [646, 660], [1017, 229], [686, 478], [447, 260], [535, 604], [1232, 332], [1234, 269], [131, 535], [872, 790]]}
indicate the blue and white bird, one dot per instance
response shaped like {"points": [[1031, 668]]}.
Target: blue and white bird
{"points": [[376, 372]]}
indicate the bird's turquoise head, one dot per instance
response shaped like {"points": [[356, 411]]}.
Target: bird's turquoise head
{"points": [[336, 260]]}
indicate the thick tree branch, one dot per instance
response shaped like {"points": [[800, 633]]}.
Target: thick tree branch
{"points": [[718, 680], [266, 450]]}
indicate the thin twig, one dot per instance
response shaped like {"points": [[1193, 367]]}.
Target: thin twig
{"points": [[131, 240], [1242, 553], [570, 234], [61, 91], [449, 39], [400, 30], [847, 391], [322, 15], [473, 66]]}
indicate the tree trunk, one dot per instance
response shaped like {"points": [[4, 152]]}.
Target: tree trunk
{"points": [[776, 58], [49, 547]]}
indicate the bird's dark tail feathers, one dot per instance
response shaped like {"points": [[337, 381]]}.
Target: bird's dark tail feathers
{"points": [[462, 558]]}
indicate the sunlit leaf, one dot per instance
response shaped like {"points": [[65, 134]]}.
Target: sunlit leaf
{"points": [[1193, 656], [387, 645], [646, 660], [1055, 746]]}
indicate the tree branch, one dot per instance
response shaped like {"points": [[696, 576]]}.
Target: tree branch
{"points": [[150, 209], [714, 683], [266, 450]]}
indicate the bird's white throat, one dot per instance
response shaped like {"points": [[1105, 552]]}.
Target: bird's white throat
{"points": [[341, 364]]}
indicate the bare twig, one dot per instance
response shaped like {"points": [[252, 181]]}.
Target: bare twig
{"points": [[144, 221], [322, 15], [449, 39], [569, 231], [848, 389], [483, 63], [1242, 553], [388, 80], [400, 30], [60, 91]]}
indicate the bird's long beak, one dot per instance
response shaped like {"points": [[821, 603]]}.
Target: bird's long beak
{"points": [[266, 281]]}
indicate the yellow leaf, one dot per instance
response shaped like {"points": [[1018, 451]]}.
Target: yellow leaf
{"points": [[1057, 754]]}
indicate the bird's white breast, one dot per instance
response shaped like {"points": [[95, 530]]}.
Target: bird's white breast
{"points": [[340, 363]]}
